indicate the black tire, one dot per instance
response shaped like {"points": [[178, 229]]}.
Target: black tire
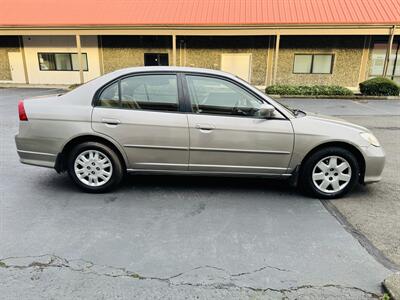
{"points": [[117, 172], [306, 183]]}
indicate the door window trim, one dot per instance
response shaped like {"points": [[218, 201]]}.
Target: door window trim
{"points": [[188, 102], [96, 97]]}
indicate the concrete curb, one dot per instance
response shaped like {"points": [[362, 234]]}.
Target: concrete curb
{"points": [[354, 97], [392, 285]]}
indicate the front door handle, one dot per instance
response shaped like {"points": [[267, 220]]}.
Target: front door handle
{"points": [[110, 121], [207, 127]]}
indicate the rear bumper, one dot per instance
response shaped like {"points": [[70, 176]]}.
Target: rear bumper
{"points": [[27, 156], [374, 163]]}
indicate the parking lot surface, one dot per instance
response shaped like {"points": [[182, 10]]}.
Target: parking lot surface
{"points": [[172, 237]]}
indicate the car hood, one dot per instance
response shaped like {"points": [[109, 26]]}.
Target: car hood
{"points": [[335, 120]]}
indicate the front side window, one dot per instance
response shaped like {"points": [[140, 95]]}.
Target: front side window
{"points": [[147, 92], [217, 96], [313, 63], [61, 62]]}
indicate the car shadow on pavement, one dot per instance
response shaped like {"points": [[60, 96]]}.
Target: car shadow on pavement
{"points": [[61, 183], [194, 183], [207, 183]]}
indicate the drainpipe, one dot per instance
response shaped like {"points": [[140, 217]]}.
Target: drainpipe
{"points": [[388, 51]]}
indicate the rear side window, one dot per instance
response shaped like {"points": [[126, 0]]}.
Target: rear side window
{"points": [[109, 97], [146, 92]]}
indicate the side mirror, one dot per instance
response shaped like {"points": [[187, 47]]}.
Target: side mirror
{"points": [[266, 110]]}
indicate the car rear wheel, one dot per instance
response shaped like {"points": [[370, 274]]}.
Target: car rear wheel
{"points": [[329, 173], [94, 167]]}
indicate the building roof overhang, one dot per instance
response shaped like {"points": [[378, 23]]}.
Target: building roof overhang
{"points": [[244, 30]]}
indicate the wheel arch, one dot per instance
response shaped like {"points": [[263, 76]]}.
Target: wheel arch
{"points": [[351, 148], [61, 161]]}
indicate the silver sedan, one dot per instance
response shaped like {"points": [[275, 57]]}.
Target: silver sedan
{"points": [[191, 121]]}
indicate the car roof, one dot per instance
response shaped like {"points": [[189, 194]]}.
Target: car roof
{"points": [[171, 69]]}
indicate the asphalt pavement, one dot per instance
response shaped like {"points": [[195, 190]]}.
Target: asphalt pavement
{"points": [[160, 237], [343, 107]]}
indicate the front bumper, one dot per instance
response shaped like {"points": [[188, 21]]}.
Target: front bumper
{"points": [[374, 163]]}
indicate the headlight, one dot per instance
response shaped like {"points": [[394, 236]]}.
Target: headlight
{"points": [[370, 138]]}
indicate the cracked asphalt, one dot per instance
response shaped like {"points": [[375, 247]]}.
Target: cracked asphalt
{"points": [[177, 237]]}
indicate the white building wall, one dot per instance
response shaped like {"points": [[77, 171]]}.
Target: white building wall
{"points": [[55, 44]]}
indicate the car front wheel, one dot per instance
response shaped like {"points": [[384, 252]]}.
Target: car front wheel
{"points": [[94, 167], [329, 173]]}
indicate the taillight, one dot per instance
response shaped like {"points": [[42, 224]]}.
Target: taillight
{"points": [[21, 111]]}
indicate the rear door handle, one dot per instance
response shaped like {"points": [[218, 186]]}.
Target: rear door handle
{"points": [[207, 127], [110, 121]]}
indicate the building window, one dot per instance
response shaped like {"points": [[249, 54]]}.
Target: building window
{"points": [[313, 63], [61, 62], [378, 61], [156, 59]]}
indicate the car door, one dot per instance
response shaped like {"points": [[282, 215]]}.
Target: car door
{"points": [[142, 113], [227, 135]]}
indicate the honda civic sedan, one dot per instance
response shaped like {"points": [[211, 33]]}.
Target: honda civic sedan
{"points": [[174, 120]]}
